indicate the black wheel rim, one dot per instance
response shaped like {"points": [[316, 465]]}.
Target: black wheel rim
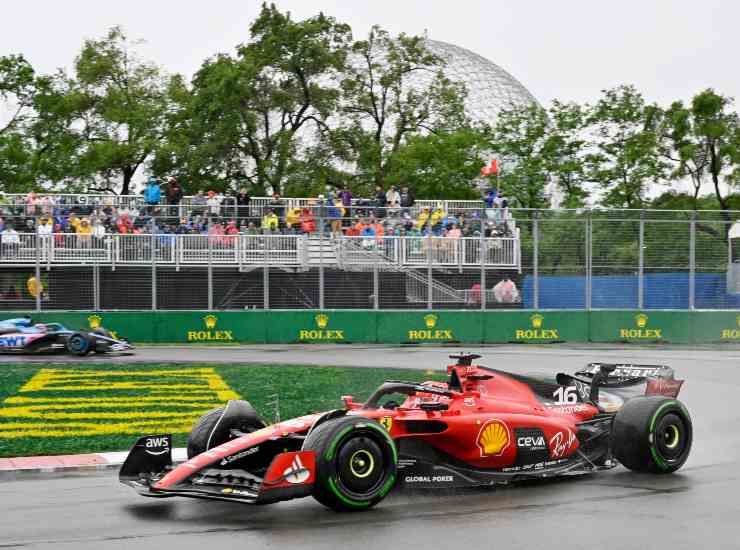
{"points": [[77, 344], [360, 467], [671, 437]]}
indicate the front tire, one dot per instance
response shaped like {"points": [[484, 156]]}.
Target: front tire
{"points": [[355, 463], [214, 427], [652, 434], [79, 344]]}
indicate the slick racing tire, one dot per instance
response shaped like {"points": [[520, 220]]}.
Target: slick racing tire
{"points": [[355, 463], [80, 344], [214, 427], [652, 434]]}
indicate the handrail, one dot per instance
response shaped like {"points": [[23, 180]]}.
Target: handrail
{"points": [[239, 250]]}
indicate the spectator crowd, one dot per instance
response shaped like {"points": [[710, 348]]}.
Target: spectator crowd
{"points": [[337, 212]]}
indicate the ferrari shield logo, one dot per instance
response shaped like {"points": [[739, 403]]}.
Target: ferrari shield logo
{"points": [[387, 422]]}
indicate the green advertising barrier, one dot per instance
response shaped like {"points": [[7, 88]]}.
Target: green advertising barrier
{"points": [[216, 327], [531, 327], [715, 326], [135, 326], [404, 327], [641, 326], [329, 326], [429, 327]]}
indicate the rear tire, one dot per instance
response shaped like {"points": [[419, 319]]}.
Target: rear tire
{"points": [[355, 463], [211, 431], [652, 434], [79, 344]]}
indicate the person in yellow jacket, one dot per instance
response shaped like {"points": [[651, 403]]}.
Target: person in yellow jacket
{"points": [[293, 218], [437, 216], [84, 233], [270, 222], [423, 218]]}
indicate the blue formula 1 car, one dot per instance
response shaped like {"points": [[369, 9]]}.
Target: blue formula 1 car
{"points": [[22, 335]]}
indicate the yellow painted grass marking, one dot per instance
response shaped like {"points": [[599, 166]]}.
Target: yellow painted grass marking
{"points": [[187, 393], [25, 412], [84, 429], [54, 399]]}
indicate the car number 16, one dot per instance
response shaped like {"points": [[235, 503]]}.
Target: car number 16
{"points": [[565, 395]]}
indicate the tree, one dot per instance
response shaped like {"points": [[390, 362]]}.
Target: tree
{"points": [[564, 151], [106, 121], [715, 131], [626, 158], [441, 164], [519, 138], [17, 91], [250, 112], [393, 89]]}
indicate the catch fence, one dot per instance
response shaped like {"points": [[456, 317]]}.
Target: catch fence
{"points": [[549, 259]]}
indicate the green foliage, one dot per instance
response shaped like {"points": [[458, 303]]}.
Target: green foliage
{"points": [[626, 158], [383, 112], [440, 164], [247, 110], [117, 116], [520, 138]]}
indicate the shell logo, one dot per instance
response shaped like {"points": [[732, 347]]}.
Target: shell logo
{"points": [[430, 320], [537, 321], [641, 320], [322, 320], [94, 321], [210, 321], [493, 438]]}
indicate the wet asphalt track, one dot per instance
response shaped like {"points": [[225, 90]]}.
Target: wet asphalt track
{"points": [[696, 508]]}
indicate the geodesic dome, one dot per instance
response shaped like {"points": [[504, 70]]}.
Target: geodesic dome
{"points": [[490, 88]]}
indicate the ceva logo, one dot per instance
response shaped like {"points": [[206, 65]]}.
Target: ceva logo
{"points": [[537, 332], [641, 332], [431, 332], [210, 334], [321, 332]]}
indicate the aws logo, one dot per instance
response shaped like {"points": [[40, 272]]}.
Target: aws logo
{"points": [[431, 332], [321, 332], [95, 322], [536, 331], [732, 333], [641, 331], [210, 334]]}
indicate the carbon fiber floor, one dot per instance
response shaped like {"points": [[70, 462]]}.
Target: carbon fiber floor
{"points": [[695, 508]]}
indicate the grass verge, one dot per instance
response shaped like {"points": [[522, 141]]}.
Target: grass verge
{"points": [[80, 408]]}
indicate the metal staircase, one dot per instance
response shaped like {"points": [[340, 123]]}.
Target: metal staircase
{"points": [[353, 256]]}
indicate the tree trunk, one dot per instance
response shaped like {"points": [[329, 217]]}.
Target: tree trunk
{"points": [[128, 175]]}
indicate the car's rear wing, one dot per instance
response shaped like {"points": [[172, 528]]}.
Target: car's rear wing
{"points": [[627, 371]]}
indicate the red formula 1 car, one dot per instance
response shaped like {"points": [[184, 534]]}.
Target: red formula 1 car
{"points": [[481, 427]]}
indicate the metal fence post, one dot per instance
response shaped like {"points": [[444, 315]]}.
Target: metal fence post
{"points": [[265, 278], [536, 258], [154, 272], [376, 286], [589, 259], [430, 292], [321, 260], [482, 263], [641, 264], [38, 273], [210, 273], [692, 262], [96, 286]]}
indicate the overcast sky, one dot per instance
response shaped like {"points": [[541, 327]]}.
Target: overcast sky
{"points": [[568, 50]]}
